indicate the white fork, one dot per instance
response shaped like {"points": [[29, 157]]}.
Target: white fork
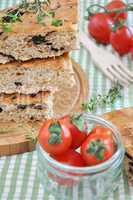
{"points": [[110, 64]]}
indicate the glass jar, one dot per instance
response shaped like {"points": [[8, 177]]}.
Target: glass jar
{"points": [[63, 182]]}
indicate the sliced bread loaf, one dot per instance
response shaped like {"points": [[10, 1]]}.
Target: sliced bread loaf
{"points": [[38, 30], [36, 75], [20, 107]]}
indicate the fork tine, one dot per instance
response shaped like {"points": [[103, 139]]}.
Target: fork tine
{"points": [[125, 70], [109, 75], [117, 76], [122, 73]]}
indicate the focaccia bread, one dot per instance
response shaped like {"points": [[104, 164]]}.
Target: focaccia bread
{"points": [[36, 75], [5, 59], [36, 30], [129, 167], [21, 107]]}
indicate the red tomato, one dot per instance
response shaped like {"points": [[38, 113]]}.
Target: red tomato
{"points": [[132, 41], [71, 157], [117, 4], [77, 136], [98, 147], [54, 137], [100, 27], [62, 181], [132, 53], [121, 40], [132, 49]]}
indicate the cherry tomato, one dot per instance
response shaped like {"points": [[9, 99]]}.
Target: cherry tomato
{"points": [[132, 41], [100, 27], [54, 137], [132, 49], [71, 157], [77, 136], [132, 53], [62, 181], [117, 4], [98, 147], [121, 40]]}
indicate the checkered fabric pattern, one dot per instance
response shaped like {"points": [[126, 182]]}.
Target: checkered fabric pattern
{"points": [[18, 177]]}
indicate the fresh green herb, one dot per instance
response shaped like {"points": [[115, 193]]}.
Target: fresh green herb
{"points": [[57, 22], [24, 4], [35, 7], [31, 132], [6, 27], [51, 13], [9, 18], [31, 136], [97, 148], [41, 16], [102, 100], [12, 16]]}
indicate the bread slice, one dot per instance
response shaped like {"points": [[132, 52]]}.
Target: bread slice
{"points": [[129, 167], [36, 75], [21, 107], [5, 59], [39, 34]]}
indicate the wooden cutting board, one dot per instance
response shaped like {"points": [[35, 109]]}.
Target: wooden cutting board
{"points": [[13, 137], [123, 119]]}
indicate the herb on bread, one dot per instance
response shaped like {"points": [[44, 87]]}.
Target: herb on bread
{"points": [[12, 16], [34, 7], [41, 16], [9, 18], [57, 22], [6, 27]]}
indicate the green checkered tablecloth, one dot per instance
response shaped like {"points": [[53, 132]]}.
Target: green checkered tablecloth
{"points": [[18, 177]]}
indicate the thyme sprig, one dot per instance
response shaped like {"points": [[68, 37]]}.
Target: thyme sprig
{"points": [[30, 132], [36, 7], [8, 19], [6, 27], [103, 99], [31, 136]]}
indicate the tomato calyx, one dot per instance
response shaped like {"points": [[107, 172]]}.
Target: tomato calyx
{"points": [[78, 121], [97, 148], [55, 133], [118, 25]]}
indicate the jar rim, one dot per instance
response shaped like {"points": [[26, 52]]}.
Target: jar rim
{"points": [[119, 154]]}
